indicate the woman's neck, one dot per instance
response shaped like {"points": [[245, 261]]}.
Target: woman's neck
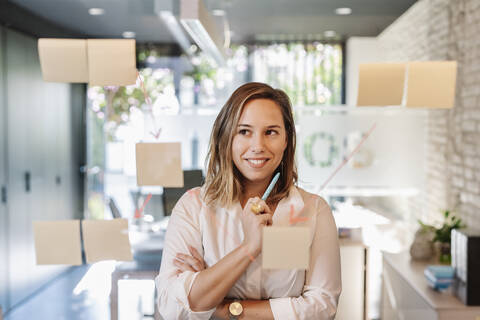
{"points": [[252, 190]]}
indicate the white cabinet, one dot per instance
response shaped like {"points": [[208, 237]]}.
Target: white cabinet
{"points": [[406, 295]]}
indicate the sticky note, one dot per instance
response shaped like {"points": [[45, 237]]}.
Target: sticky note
{"points": [[57, 242], [381, 84], [159, 164], [286, 248], [63, 60], [106, 240], [111, 62], [431, 84]]}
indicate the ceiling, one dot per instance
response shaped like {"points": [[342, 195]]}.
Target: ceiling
{"points": [[249, 20]]}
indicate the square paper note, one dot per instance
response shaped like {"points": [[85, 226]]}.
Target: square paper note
{"points": [[381, 84], [286, 248], [57, 242], [63, 60], [159, 164], [431, 84], [111, 62], [106, 240]]}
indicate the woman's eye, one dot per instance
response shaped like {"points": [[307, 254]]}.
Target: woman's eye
{"points": [[243, 132], [270, 132]]}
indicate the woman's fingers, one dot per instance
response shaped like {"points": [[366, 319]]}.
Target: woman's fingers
{"points": [[196, 255], [258, 206], [182, 266], [265, 219], [193, 262]]}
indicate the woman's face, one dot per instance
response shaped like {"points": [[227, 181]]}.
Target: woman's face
{"points": [[259, 141]]}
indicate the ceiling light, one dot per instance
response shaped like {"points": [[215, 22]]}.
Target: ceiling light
{"points": [[329, 34], [218, 12], [343, 11], [174, 27], [200, 26], [96, 11], [128, 34]]}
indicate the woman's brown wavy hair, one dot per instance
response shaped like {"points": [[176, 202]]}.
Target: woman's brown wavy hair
{"points": [[223, 180]]}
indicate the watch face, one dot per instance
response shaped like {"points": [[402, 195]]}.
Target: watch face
{"points": [[235, 308]]}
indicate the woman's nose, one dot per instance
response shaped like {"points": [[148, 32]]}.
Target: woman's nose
{"points": [[258, 143]]}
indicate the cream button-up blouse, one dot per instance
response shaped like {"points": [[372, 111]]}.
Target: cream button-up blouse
{"points": [[215, 232]]}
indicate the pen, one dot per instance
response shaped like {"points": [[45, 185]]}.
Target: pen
{"points": [[270, 186], [255, 207]]}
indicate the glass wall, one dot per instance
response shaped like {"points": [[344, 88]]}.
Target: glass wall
{"points": [[176, 99]]}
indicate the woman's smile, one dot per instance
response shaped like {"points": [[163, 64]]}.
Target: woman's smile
{"points": [[257, 163]]}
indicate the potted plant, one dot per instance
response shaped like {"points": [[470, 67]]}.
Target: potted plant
{"points": [[442, 235]]}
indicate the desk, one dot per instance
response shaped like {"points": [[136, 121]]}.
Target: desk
{"points": [[135, 271], [352, 304]]}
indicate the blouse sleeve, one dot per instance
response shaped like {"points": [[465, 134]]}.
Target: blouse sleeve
{"points": [[172, 289], [323, 284]]}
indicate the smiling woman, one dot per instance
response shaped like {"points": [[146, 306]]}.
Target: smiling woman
{"points": [[211, 264]]}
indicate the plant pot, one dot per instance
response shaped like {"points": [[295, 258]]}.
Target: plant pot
{"points": [[444, 252]]}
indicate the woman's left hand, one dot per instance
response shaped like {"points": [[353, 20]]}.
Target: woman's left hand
{"points": [[193, 262]]}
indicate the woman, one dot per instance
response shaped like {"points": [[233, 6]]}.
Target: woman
{"points": [[211, 263]]}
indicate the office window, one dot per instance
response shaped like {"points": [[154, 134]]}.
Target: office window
{"points": [[310, 73]]}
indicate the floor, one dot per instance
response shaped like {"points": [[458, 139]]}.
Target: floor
{"points": [[81, 293]]}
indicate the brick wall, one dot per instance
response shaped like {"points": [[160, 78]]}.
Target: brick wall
{"points": [[445, 30]]}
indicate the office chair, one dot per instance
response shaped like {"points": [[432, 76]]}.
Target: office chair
{"points": [[114, 209], [191, 179]]}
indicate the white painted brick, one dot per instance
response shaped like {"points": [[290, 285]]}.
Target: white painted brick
{"points": [[440, 30], [473, 186]]}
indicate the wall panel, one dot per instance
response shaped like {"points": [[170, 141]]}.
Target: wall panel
{"points": [[40, 161], [3, 182]]}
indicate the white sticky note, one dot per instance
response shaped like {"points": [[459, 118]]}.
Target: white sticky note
{"points": [[159, 164], [111, 62], [381, 84], [63, 60], [57, 242], [106, 240], [286, 248], [431, 84]]}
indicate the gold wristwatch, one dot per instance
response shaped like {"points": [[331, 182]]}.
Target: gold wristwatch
{"points": [[235, 309]]}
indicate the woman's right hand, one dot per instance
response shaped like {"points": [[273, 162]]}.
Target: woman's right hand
{"points": [[253, 225]]}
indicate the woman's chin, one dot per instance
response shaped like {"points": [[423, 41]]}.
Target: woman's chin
{"points": [[256, 178]]}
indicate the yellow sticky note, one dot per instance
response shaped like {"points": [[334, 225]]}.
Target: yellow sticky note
{"points": [[286, 248], [431, 84], [63, 60], [381, 84], [159, 164], [106, 240], [57, 242], [111, 62]]}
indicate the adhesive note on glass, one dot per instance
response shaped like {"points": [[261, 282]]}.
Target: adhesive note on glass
{"points": [[57, 242], [431, 84], [286, 248], [381, 84], [159, 164], [111, 62], [106, 240], [63, 60]]}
